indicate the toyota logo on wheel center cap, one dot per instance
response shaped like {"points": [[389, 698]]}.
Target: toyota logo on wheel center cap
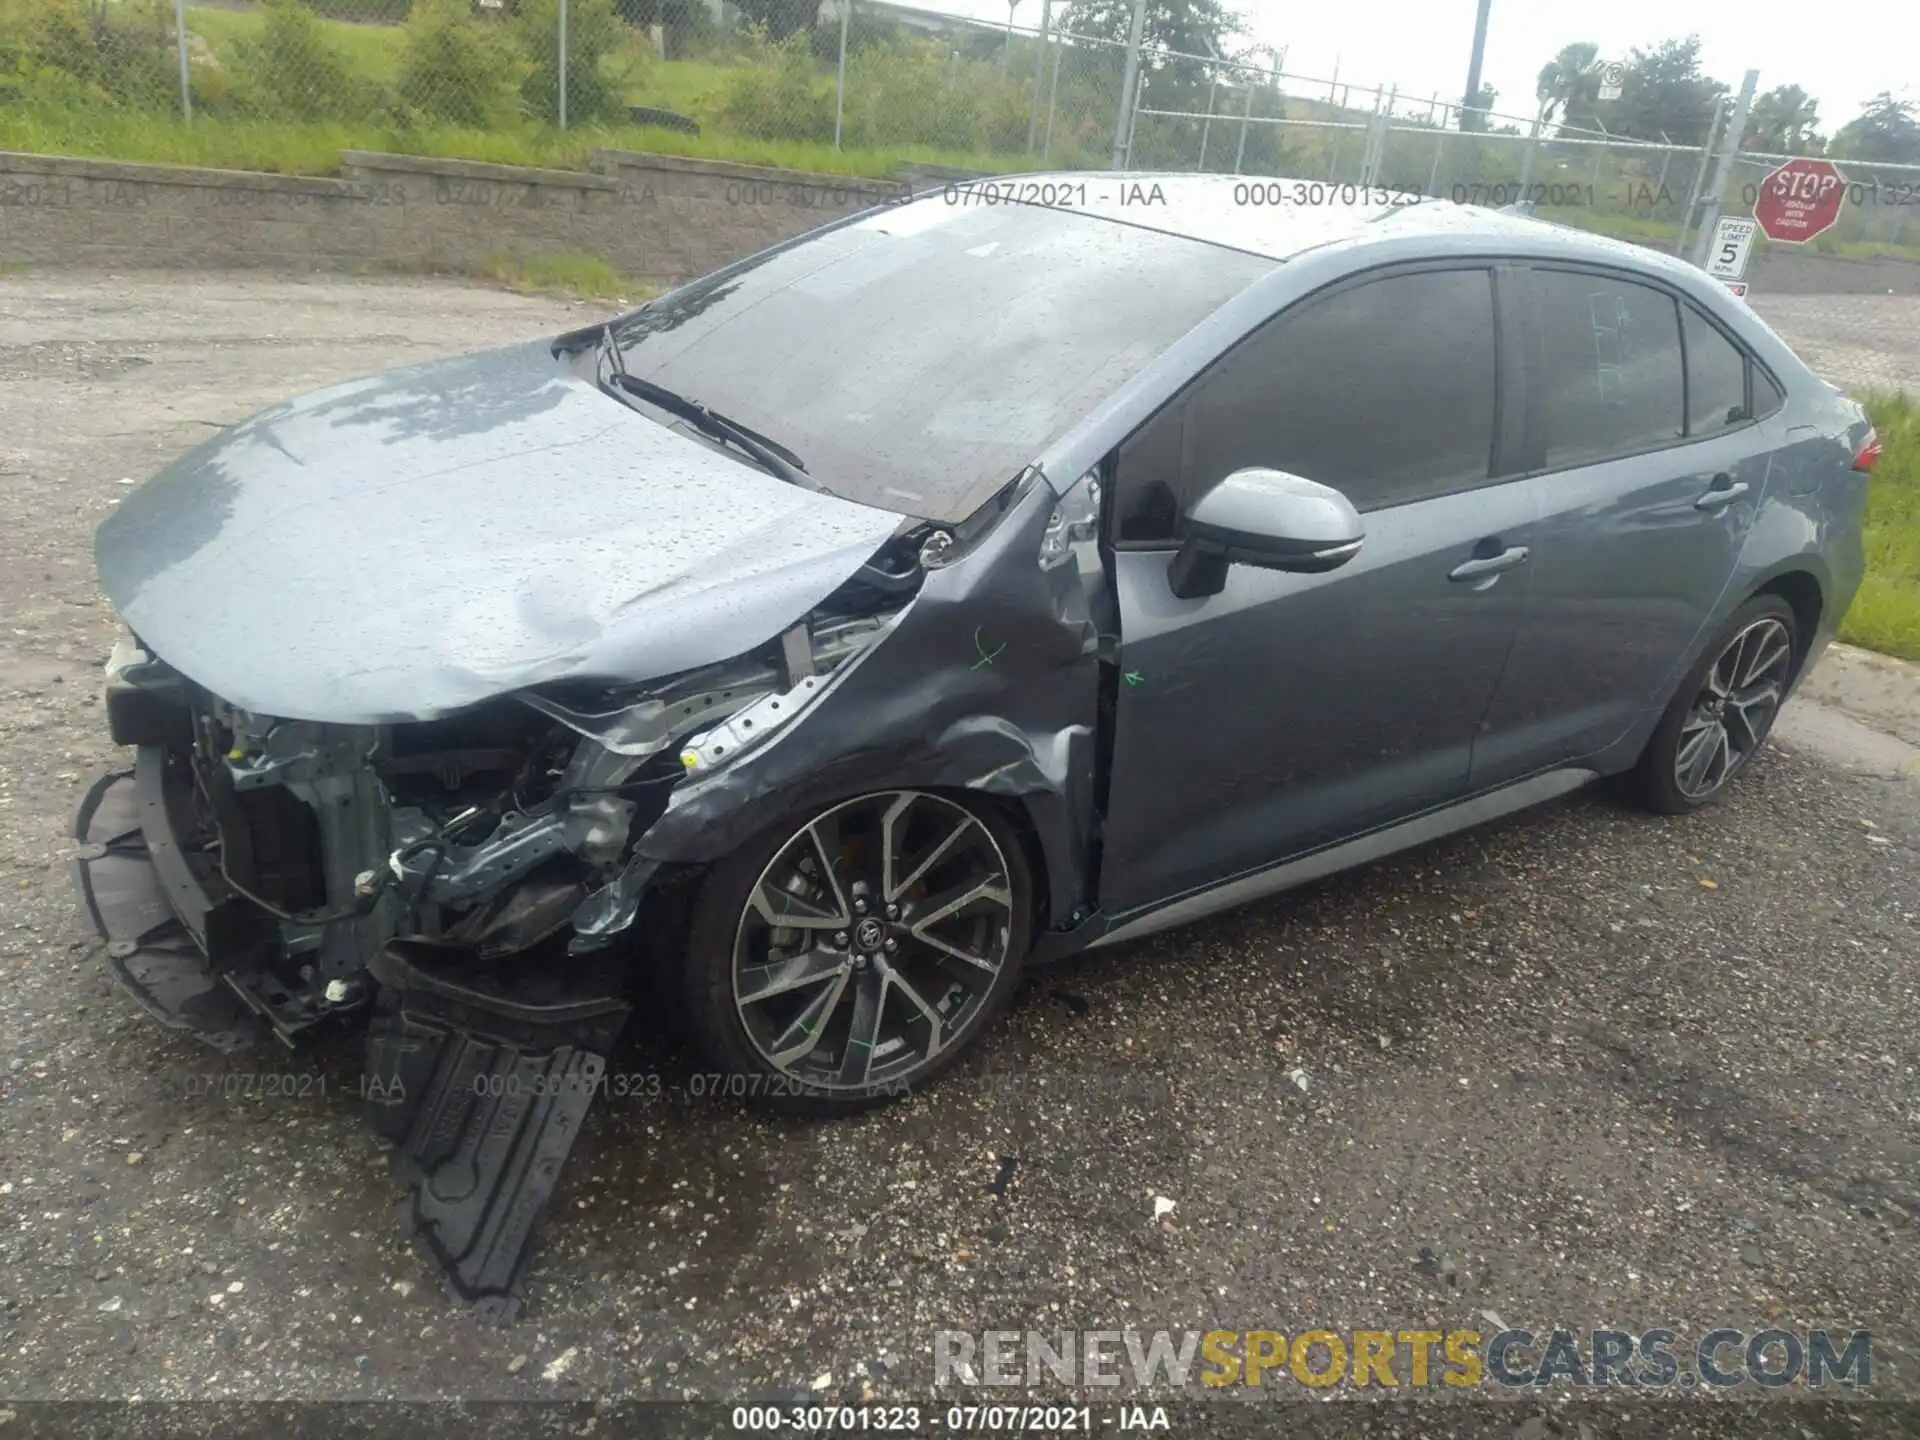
{"points": [[869, 933]]}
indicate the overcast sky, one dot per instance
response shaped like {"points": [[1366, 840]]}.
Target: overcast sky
{"points": [[1841, 51]]}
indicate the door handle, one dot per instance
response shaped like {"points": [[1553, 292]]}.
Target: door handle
{"points": [[1487, 565], [1725, 491]]}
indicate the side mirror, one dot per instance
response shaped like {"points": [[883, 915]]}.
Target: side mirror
{"points": [[1266, 518]]}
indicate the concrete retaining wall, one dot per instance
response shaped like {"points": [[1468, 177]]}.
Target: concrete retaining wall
{"points": [[656, 217]]}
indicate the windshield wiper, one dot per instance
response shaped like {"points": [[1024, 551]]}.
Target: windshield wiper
{"points": [[769, 455]]}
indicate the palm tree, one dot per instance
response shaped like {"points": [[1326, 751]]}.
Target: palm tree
{"points": [[1783, 121], [1569, 81]]}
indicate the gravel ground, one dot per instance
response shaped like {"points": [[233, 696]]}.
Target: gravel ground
{"points": [[1586, 1067], [1863, 342]]}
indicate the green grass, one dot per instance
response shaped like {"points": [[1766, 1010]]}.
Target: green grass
{"points": [[301, 147], [372, 50], [293, 147], [1885, 615], [1642, 228], [559, 272], [287, 148], [1876, 249], [690, 87]]}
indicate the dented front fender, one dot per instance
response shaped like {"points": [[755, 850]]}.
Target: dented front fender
{"points": [[988, 681]]}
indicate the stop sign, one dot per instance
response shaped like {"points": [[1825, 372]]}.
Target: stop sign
{"points": [[1800, 199]]}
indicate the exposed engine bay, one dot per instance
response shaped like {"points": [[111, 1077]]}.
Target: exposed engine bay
{"points": [[465, 887]]}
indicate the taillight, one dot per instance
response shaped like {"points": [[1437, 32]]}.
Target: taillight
{"points": [[1869, 455]]}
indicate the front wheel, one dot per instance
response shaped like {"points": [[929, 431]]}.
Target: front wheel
{"points": [[848, 956], [1720, 718]]}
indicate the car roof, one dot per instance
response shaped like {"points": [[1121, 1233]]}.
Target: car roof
{"points": [[1280, 217]]}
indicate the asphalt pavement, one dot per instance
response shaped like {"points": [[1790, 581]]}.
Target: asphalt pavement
{"points": [[1584, 1067]]}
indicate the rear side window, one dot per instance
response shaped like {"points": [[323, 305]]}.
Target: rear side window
{"points": [[1613, 382], [1716, 377], [1384, 390]]}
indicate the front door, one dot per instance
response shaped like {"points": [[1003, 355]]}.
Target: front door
{"points": [[1289, 711]]}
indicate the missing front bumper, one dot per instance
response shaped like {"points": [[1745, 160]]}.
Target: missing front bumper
{"points": [[481, 1075]]}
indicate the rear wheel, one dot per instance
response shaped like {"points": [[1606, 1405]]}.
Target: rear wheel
{"points": [[1723, 711], [851, 955]]}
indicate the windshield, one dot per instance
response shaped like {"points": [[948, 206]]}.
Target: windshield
{"points": [[918, 358]]}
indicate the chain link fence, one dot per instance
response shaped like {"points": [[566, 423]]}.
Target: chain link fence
{"points": [[988, 98], [856, 77], [1272, 123], [842, 84]]}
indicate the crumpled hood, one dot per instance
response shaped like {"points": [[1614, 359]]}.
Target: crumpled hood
{"points": [[399, 547]]}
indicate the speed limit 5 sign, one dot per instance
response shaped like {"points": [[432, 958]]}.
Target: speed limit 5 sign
{"points": [[1732, 244]]}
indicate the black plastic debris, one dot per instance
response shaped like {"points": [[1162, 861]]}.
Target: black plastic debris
{"points": [[482, 1078], [124, 892], [663, 119]]}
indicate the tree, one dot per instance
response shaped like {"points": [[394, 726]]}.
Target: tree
{"points": [[292, 67], [780, 18], [1184, 27], [1193, 27], [1474, 115], [1885, 130], [1782, 123], [452, 68], [1663, 92], [1180, 42], [1569, 85], [593, 34], [683, 23]]}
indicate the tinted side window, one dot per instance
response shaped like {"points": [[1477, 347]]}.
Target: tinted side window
{"points": [[1716, 377], [1766, 395], [1384, 390], [1612, 382]]}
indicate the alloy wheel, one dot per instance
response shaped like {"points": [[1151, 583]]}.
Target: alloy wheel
{"points": [[872, 940], [1735, 708]]}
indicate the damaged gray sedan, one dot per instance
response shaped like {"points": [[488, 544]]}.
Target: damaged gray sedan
{"points": [[954, 588]]}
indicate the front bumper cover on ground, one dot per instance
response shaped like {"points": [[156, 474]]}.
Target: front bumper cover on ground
{"points": [[141, 898], [480, 1080]]}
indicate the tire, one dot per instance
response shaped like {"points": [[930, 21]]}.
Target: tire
{"points": [[1707, 736], [780, 966]]}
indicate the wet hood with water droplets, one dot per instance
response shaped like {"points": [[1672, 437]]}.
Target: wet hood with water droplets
{"points": [[403, 546]]}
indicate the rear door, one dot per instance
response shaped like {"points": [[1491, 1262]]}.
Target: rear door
{"points": [[1290, 711], [1649, 463]]}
